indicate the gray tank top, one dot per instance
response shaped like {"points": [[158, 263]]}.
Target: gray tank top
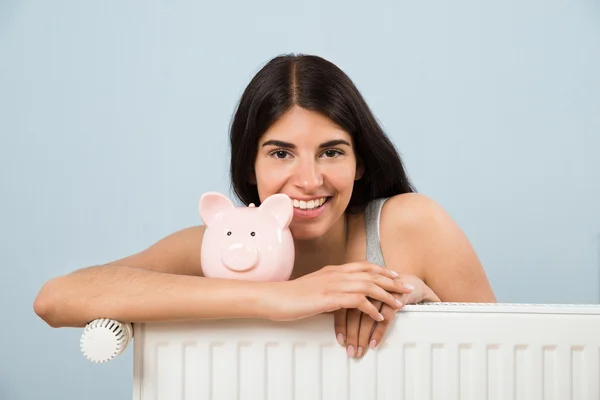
{"points": [[372, 215]]}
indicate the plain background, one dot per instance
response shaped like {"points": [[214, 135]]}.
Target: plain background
{"points": [[114, 118]]}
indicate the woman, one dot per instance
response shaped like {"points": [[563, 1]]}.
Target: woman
{"points": [[366, 244]]}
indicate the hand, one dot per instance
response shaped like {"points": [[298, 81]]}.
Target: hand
{"points": [[333, 288], [356, 331]]}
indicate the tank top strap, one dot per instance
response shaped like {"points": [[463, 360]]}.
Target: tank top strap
{"points": [[372, 216]]}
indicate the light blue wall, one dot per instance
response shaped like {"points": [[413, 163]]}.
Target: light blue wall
{"points": [[113, 121]]}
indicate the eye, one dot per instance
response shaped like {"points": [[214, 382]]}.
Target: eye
{"points": [[279, 153], [330, 153], [229, 233], [252, 233]]}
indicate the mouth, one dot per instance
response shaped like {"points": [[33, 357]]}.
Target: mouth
{"points": [[313, 204]]}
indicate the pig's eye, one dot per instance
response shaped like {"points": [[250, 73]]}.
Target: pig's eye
{"points": [[252, 233], [229, 233]]}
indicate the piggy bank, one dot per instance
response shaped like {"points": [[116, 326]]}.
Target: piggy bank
{"points": [[249, 243]]}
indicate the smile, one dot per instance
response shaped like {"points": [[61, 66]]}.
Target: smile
{"points": [[310, 204]]}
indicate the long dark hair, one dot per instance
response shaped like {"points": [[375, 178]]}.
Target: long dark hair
{"points": [[316, 84]]}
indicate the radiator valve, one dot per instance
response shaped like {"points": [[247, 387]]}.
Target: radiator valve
{"points": [[104, 339]]}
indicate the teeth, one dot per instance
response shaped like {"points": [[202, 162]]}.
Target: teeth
{"points": [[309, 205]]}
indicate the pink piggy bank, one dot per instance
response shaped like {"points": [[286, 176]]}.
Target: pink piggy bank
{"points": [[250, 243]]}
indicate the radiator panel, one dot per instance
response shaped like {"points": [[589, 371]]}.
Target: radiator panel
{"points": [[448, 351]]}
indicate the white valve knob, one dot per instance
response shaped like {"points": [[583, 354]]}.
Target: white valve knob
{"points": [[104, 339]]}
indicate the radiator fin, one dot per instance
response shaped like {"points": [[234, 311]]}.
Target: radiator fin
{"points": [[539, 362], [300, 371]]}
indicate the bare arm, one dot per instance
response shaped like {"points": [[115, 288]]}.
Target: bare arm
{"points": [[161, 283], [425, 246], [426, 239]]}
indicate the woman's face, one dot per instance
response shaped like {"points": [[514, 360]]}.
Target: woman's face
{"points": [[312, 160]]}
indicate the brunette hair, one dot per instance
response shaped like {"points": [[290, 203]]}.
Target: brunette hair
{"points": [[316, 84]]}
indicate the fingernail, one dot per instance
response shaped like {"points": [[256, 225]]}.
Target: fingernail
{"points": [[340, 339], [399, 302], [408, 286], [359, 352], [394, 273], [373, 343], [350, 351], [380, 317]]}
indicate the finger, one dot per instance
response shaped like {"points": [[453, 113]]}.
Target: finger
{"points": [[367, 324], [390, 285], [377, 293], [409, 298], [368, 267], [352, 329], [339, 326], [350, 301], [371, 290], [382, 327], [378, 333]]}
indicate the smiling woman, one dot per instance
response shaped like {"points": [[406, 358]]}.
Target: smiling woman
{"points": [[308, 158], [366, 244]]}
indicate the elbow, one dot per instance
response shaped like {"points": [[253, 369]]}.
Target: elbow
{"points": [[45, 305], [43, 310]]}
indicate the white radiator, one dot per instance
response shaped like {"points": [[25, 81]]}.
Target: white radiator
{"points": [[445, 351]]}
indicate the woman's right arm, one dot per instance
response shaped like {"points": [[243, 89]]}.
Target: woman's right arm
{"points": [[165, 283]]}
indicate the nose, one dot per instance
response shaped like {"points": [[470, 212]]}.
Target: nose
{"points": [[307, 176], [239, 258]]}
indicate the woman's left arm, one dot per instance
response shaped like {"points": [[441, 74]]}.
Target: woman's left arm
{"points": [[420, 232], [429, 251]]}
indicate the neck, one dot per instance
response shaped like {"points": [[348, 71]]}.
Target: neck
{"points": [[329, 249]]}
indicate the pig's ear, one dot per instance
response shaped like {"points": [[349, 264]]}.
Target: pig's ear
{"points": [[280, 205], [212, 203]]}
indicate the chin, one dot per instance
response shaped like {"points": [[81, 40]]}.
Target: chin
{"points": [[306, 231]]}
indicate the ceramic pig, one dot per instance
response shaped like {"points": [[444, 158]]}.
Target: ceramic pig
{"points": [[249, 243]]}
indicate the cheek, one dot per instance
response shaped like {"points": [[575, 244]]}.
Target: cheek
{"points": [[341, 176], [269, 177]]}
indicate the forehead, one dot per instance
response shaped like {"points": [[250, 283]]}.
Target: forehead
{"points": [[299, 124]]}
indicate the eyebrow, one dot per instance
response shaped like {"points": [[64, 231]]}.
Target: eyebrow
{"points": [[287, 145]]}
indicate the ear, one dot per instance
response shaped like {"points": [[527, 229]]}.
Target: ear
{"points": [[211, 204], [281, 207], [360, 170]]}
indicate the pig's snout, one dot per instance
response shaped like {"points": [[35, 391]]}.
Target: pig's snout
{"points": [[240, 258]]}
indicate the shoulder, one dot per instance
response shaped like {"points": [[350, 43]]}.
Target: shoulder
{"points": [[177, 253], [409, 226], [414, 214], [412, 209], [417, 233]]}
